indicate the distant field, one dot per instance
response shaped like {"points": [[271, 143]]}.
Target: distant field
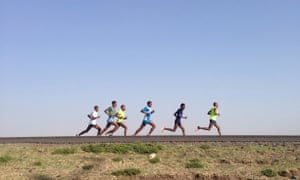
{"points": [[131, 161]]}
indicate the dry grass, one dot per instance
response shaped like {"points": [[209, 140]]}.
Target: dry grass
{"points": [[245, 160]]}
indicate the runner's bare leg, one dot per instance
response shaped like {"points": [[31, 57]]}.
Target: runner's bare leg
{"points": [[152, 128]]}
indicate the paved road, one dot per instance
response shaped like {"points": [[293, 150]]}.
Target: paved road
{"points": [[129, 139]]}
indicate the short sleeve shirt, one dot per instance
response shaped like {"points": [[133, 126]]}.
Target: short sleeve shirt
{"points": [[121, 116], [179, 114], [112, 111], [147, 110], [93, 114]]}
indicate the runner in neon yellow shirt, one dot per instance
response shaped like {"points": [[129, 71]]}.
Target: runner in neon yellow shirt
{"points": [[213, 113], [120, 120]]}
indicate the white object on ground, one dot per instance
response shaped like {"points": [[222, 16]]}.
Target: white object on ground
{"points": [[152, 156]]}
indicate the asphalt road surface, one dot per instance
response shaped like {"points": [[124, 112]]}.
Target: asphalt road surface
{"points": [[130, 139]]}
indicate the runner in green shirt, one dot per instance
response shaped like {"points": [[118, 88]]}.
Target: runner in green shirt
{"points": [[111, 113], [213, 113]]}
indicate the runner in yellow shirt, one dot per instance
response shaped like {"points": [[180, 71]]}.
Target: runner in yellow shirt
{"points": [[213, 113], [120, 120]]}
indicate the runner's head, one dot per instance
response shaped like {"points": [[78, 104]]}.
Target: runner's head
{"points": [[215, 104], [114, 104], [182, 106], [96, 108], [123, 107], [149, 103]]}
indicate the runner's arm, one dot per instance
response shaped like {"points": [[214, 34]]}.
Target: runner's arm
{"points": [[106, 111], [144, 112], [176, 113], [94, 117], [91, 117], [208, 113], [217, 112]]}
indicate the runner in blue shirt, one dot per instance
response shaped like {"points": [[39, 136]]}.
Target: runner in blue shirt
{"points": [[178, 116], [147, 118]]}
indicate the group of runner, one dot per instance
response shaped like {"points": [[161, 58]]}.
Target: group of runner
{"points": [[116, 119]]}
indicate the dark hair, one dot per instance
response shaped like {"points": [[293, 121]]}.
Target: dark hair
{"points": [[149, 102], [182, 104], [113, 102], [122, 105], [95, 107], [215, 103]]}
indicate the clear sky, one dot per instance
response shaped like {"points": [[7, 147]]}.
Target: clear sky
{"points": [[59, 58]]}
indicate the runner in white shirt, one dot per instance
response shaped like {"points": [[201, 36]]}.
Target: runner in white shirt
{"points": [[92, 124]]}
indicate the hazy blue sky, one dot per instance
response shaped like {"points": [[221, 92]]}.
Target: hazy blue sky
{"points": [[60, 58]]}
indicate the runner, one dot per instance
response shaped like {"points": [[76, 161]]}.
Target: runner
{"points": [[214, 113], [147, 118], [120, 122], [179, 115], [92, 124], [111, 113]]}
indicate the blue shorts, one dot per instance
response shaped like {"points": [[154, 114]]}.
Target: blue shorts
{"points": [[110, 119], [145, 122]]}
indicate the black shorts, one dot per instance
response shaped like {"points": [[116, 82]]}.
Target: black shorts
{"points": [[212, 122], [119, 124], [92, 126], [178, 121]]}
